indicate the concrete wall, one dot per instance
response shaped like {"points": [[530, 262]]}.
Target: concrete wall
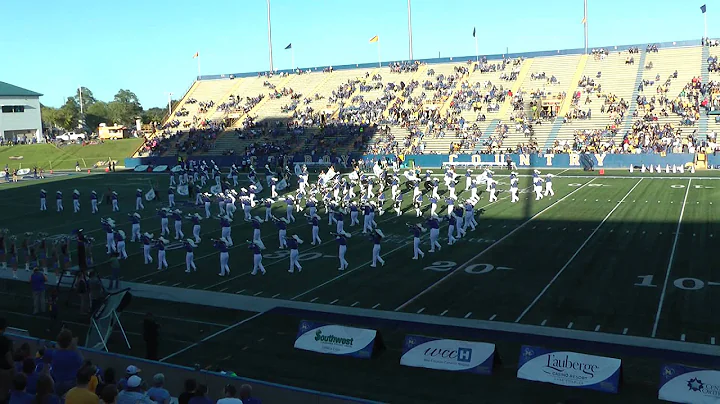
{"points": [[30, 120]]}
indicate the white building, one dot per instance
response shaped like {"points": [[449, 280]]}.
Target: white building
{"points": [[19, 114]]}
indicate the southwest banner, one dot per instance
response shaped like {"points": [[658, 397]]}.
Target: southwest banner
{"points": [[685, 384], [569, 369], [448, 354], [335, 339]]}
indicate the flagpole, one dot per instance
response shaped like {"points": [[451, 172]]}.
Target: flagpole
{"points": [[292, 55], [410, 29], [198, 65], [705, 17], [269, 36], [378, 51], [586, 27], [477, 58]]}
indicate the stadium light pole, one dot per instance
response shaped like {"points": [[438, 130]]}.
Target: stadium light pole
{"points": [[269, 36], [585, 23], [410, 29], [170, 105]]}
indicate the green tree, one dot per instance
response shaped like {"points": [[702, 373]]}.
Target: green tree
{"points": [[49, 116], [154, 114], [97, 113], [68, 116], [88, 98], [124, 107]]}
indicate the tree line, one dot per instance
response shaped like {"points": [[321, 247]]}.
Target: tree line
{"points": [[122, 110]]}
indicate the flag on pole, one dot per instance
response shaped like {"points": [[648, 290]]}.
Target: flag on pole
{"points": [[374, 39], [473, 32], [703, 8], [196, 55], [289, 46], [584, 20]]}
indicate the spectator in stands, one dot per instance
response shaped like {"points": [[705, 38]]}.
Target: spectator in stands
{"points": [[37, 284], [130, 371], [109, 394], [190, 387], [31, 376], [246, 395], [66, 362], [107, 379], [133, 393], [45, 393], [81, 393], [18, 395], [230, 393], [6, 363], [201, 396], [157, 392]]}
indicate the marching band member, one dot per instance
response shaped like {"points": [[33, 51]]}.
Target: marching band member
{"points": [[234, 175], [435, 185], [230, 203], [177, 217], [370, 192], [473, 189], [245, 201], [196, 219], [372, 214], [135, 230], [339, 219], [450, 205], [171, 196], [434, 225], [268, 209], [114, 198], [163, 213], [397, 206], [468, 217], [314, 220], [147, 240], [416, 231], [354, 214], [468, 179], [76, 201], [416, 189], [257, 238], [120, 243], [293, 243], [433, 206], [376, 237], [451, 188], [452, 225], [418, 205], [493, 190], [206, 203], [311, 204], [273, 184], [514, 190], [222, 246], [341, 239], [548, 185], [109, 226], [160, 245], [537, 185], [94, 202], [58, 201], [43, 198], [252, 193], [367, 219], [257, 258], [226, 229], [198, 195], [380, 203], [281, 225], [289, 201], [221, 203], [139, 199], [189, 244], [394, 186], [172, 178], [488, 178]]}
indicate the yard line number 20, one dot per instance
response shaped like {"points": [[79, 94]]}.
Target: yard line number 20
{"points": [[474, 269]]}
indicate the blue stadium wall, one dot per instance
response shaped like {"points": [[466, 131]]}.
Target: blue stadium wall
{"points": [[437, 160]]}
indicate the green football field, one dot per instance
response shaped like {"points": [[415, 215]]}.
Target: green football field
{"points": [[626, 254]]}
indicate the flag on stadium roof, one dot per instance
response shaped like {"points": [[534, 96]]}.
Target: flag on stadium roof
{"points": [[289, 46], [374, 39], [703, 8], [196, 55]]}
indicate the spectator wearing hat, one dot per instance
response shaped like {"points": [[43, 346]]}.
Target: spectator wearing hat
{"points": [[45, 393], [18, 395], [230, 393], [130, 371], [134, 393], [246, 395], [157, 392], [66, 362], [81, 393]]}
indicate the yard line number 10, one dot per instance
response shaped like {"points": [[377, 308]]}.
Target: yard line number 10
{"points": [[680, 283]]}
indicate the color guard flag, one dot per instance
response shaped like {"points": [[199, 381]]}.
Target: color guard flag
{"points": [[374, 39], [703, 8], [289, 46], [584, 20], [196, 55], [473, 32]]}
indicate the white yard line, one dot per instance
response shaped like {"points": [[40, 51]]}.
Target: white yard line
{"points": [[567, 264], [488, 248], [670, 262]]}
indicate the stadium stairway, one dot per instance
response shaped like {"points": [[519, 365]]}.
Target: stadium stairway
{"points": [[567, 102], [628, 121]]}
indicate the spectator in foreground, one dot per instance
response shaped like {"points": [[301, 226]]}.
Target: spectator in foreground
{"points": [[230, 393], [133, 393], [66, 362], [81, 394], [109, 394], [201, 396], [130, 371], [18, 395], [157, 392], [246, 395], [190, 387], [6, 363], [45, 393]]}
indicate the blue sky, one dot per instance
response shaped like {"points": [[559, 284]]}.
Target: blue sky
{"points": [[53, 47]]}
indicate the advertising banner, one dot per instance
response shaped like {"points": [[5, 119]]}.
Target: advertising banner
{"points": [[685, 384], [448, 354], [335, 339], [569, 369]]}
